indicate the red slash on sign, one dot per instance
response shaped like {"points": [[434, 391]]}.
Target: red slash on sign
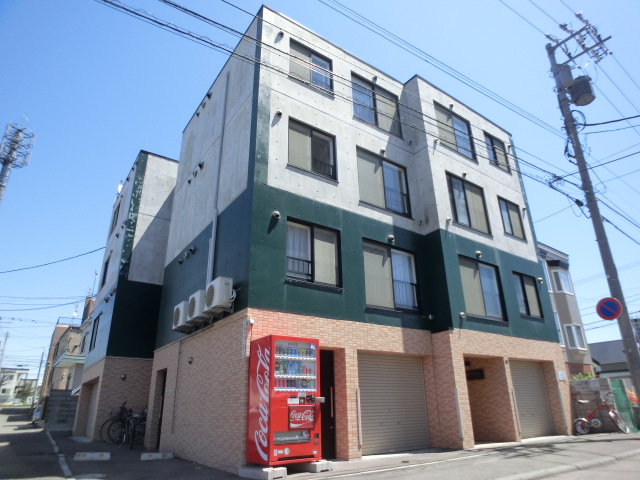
{"points": [[609, 308]]}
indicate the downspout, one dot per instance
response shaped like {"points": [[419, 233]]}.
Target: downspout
{"points": [[216, 188]]}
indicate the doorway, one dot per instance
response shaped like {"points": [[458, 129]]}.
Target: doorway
{"points": [[327, 409]]}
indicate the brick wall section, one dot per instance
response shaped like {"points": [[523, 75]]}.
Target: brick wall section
{"points": [[205, 403], [490, 398], [102, 384], [512, 348]]}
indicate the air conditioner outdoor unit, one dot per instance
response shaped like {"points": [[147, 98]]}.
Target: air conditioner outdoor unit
{"points": [[195, 311], [219, 295], [180, 317]]}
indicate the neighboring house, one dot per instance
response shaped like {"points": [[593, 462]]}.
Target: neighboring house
{"points": [[566, 310], [117, 337], [609, 358], [14, 385], [384, 218]]}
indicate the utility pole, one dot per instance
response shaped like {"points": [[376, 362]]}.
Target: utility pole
{"points": [[4, 347], [35, 389], [15, 151], [579, 92]]}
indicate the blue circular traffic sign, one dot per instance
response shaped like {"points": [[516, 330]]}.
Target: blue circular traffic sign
{"points": [[609, 308]]}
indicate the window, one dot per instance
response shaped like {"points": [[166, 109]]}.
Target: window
{"points": [[311, 150], [382, 184], [83, 345], [114, 218], [496, 152], [454, 131], [375, 105], [310, 67], [511, 218], [390, 277], [561, 281], [480, 288], [527, 295], [94, 333], [560, 336], [467, 202], [105, 270], [312, 254], [574, 338], [547, 276]]}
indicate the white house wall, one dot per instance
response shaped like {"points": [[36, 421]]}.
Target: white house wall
{"points": [[194, 200], [332, 114], [153, 220]]}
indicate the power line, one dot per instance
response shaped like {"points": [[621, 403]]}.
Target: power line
{"points": [[610, 121], [523, 18], [51, 263], [148, 18]]}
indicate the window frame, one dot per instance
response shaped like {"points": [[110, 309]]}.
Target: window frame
{"points": [[394, 282], [375, 93], [309, 64], [114, 217], [520, 280], [490, 142], [94, 332], [383, 163], [447, 132], [575, 332], [555, 276], [105, 271], [556, 318], [485, 290], [311, 277], [454, 204], [511, 208], [332, 164]]}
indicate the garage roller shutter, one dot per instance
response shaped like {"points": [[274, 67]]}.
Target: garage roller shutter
{"points": [[393, 404], [534, 414]]}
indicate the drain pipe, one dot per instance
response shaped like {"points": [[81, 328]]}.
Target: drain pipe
{"points": [[216, 188]]}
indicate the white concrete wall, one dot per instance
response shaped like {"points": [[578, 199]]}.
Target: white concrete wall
{"points": [[332, 114], [154, 219], [425, 160], [194, 198]]}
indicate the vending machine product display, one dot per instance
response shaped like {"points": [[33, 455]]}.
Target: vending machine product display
{"points": [[283, 420]]}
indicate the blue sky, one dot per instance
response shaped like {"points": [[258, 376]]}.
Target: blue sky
{"points": [[97, 86]]}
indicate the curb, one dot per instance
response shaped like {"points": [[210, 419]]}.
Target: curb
{"points": [[595, 462]]}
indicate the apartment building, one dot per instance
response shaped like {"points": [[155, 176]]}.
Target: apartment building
{"points": [[566, 310], [118, 332], [384, 218]]}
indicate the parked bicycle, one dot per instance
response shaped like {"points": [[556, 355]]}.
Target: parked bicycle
{"points": [[583, 425], [117, 416], [125, 427]]}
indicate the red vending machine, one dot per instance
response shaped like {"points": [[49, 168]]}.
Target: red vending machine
{"points": [[284, 416]]}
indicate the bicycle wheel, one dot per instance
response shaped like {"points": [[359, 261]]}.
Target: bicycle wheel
{"points": [[104, 431], [116, 431], [619, 422], [581, 426], [138, 433]]}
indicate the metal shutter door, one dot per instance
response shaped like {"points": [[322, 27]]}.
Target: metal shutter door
{"points": [[393, 407], [534, 414]]}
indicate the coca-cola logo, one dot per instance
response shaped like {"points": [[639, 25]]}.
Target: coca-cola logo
{"points": [[301, 417], [261, 434]]}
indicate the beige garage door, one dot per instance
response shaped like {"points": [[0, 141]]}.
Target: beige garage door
{"points": [[534, 414], [393, 409]]}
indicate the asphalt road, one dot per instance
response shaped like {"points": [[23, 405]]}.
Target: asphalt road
{"points": [[25, 452]]}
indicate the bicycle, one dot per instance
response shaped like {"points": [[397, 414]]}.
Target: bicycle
{"points": [[111, 429], [583, 425]]}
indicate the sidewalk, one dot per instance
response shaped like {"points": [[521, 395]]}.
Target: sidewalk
{"points": [[536, 458]]}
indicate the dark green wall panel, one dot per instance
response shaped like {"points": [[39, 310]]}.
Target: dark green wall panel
{"points": [[134, 320]]}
